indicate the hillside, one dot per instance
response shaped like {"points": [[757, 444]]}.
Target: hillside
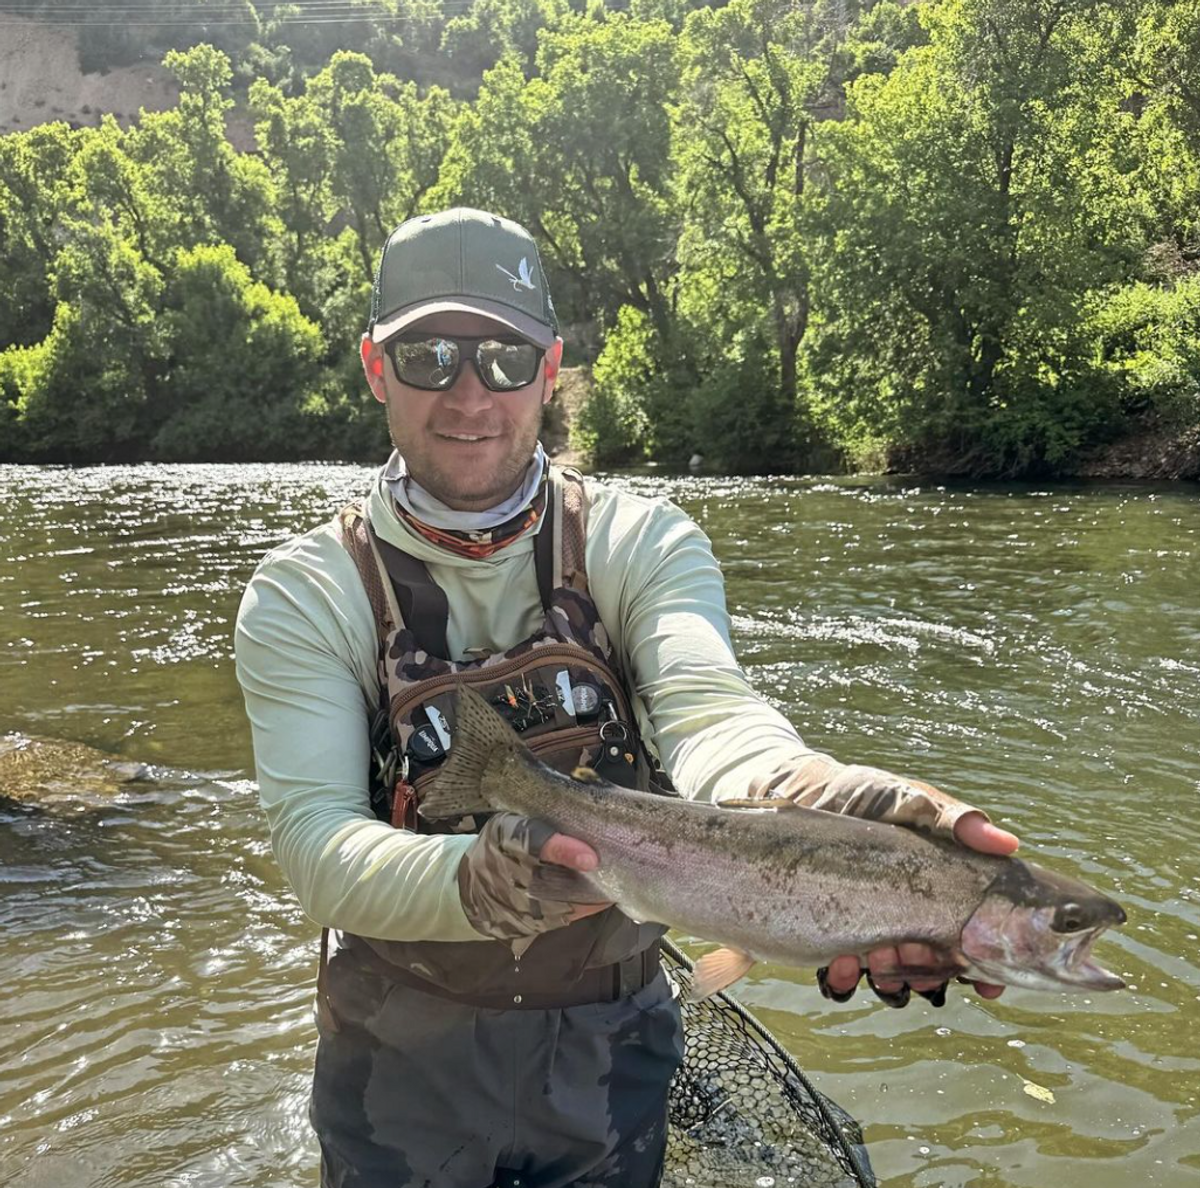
{"points": [[982, 318], [40, 80]]}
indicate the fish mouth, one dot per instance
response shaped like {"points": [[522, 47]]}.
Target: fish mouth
{"points": [[1036, 929], [1079, 968], [1070, 966]]}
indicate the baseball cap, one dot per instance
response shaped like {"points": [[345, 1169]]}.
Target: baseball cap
{"points": [[462, 261]]}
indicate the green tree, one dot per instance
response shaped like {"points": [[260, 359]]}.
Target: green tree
{"points": [[756, 82], [384, 143], [242, 362], [1150, 346], [491, 30], [296, 142], [86, 387], [35, 196], [204, 190], [1162, 74], [976, 209], [581, 155]]}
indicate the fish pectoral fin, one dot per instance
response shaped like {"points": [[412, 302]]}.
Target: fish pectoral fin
{"points": [[762, 805], [718, 969], [562, 885]]}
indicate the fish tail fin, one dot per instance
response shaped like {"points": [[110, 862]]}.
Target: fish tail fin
{"points": [[481, 740]]}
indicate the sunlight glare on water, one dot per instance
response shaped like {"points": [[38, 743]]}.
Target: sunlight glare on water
{"points": [[1031, 650]]}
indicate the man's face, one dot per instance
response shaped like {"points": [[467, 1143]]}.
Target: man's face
{"points": [[467, 445]]}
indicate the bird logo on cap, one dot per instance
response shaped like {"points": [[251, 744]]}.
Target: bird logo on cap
{"points": [[524, 277]]}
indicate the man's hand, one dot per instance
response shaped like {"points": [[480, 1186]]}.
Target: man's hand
{"points": [[497, 875], [972, 830], [575, 855]]}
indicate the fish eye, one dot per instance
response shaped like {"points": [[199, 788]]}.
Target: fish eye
{"points": [[1068, 918]]}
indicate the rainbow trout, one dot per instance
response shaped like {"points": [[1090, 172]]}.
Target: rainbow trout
{"points": [[775, 882]]}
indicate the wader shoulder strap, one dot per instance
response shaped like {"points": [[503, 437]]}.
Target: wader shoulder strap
{"points": [[543, 547], [357, 542], [411, 598], [398, 586], [424, 608]]}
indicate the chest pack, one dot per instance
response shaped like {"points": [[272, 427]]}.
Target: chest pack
{"points": [[560, 688]]}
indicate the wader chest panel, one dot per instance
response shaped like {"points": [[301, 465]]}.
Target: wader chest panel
{"points": [[560, 688]]}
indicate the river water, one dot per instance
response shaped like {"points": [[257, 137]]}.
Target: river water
{"points": [[1035, 650]]}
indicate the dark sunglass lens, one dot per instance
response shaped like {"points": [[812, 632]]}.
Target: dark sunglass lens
{"points": [[429, 363], [507, 365]]}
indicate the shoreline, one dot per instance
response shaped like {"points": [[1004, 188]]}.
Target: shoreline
{"points": [[1149, 454]]}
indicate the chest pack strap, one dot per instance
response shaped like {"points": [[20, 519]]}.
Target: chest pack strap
{"points": [[412, 599], [424, 607]]}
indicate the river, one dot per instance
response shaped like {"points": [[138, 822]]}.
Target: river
{"points": [[1035, 650]]}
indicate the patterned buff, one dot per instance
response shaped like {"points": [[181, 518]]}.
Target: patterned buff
{"points": [[486, 541]]}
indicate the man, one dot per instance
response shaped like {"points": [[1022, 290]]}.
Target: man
{"points": [[471, 1032]]}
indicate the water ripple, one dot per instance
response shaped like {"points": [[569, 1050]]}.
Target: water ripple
{"points": [[1032, 649]]}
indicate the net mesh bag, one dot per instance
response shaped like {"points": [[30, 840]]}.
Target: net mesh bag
{"points": [[741, 1110]]}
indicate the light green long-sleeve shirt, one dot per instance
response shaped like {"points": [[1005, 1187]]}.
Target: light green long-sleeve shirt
{"points": [[307, 651]]}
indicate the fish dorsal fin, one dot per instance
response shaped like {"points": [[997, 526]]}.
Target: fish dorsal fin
{"points": [[482, 739], [763, 805], [718, 969], [585, 775]]}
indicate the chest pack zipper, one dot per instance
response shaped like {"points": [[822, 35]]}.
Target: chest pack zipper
{"points": [[570, 653]]}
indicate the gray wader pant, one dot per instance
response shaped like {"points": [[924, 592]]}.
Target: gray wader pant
{"points": [[418, 1090]]}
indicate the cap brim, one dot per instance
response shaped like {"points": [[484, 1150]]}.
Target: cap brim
{"points": [[529, 328]]}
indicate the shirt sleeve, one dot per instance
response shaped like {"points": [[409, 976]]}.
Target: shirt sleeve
{"points": [[303, 637], [654, 576]]}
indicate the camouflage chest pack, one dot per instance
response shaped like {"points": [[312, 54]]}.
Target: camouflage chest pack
{"points": [[560, 688]]}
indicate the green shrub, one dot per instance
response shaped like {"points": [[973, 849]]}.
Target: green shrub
{"points": [[612, 426], [1150, 346], [18, 365], [243, 362], [741, 421]]}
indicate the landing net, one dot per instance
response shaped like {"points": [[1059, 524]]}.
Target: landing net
{"points": [[742, 1112]]}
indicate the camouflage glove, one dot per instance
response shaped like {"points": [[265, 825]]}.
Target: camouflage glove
{"points": [[868, 792], [494, 879]]}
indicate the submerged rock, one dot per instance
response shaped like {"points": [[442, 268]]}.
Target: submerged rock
{"points": [[50, 773]]}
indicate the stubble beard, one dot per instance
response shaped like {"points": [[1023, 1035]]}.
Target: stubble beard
{"points": [[483, 490]]}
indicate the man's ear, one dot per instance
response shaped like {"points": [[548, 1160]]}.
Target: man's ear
{"points": [[552, 367], [372, 361]]}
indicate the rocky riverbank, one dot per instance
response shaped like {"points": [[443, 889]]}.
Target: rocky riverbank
{"points": [[570, 393], [1154, 453]]}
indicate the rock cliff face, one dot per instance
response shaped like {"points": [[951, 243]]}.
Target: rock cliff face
{"points": [[40, 81]]}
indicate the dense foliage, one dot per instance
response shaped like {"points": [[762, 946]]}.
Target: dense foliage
{"points": [[960, 235]]}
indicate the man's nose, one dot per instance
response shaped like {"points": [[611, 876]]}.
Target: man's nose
{"points": [[468, 394]]}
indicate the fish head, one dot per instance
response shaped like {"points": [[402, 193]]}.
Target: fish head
{"points": [[1035, 928]]}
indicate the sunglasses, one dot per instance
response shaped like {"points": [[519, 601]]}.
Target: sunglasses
{"points": [[432, 362]]}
